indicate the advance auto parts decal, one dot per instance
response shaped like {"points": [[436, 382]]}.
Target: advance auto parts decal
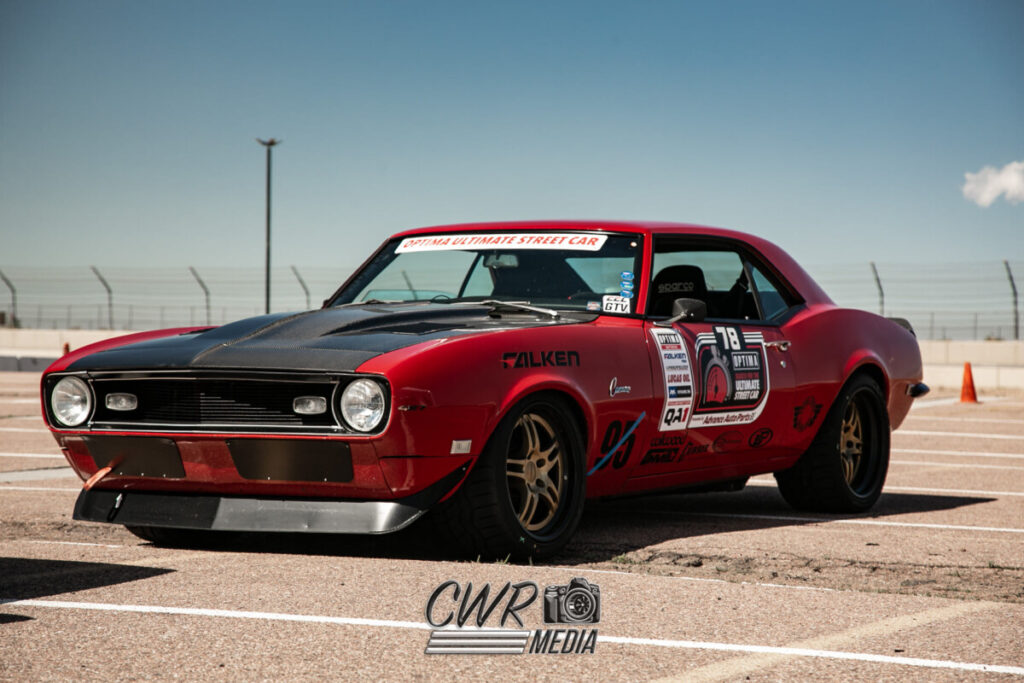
{"points": [[734, 377], [675, 362]]}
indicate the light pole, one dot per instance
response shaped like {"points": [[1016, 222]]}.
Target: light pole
{"points": [[266, 280]]}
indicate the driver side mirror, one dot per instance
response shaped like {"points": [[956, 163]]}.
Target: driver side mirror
{"points": [[689, 310], [685, 311]]}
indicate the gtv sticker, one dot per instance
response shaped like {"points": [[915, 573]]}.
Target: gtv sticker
{"points": [[678, 381], [734, 377]]}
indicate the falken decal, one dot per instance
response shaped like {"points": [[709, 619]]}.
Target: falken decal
{"points": [[734, 377], [540, 359], [675, 364]]}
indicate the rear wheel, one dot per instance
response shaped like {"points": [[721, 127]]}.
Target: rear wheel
{"points": [[524, 497], [844, 469]]}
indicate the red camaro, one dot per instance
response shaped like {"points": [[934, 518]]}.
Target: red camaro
{"points": [[495, 375]]}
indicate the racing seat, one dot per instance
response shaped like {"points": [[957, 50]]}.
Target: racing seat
{"points": [[676, 282]]}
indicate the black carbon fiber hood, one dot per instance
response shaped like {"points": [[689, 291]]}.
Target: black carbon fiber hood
{"points": [[332, 339]]}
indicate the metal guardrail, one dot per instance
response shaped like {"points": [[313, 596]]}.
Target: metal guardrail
{"points": [[942, 301]]}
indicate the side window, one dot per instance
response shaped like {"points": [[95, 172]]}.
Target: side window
{"points": [[773, 304], [715, 275]]}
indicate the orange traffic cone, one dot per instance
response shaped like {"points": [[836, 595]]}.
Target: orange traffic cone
{"points": [[967, 394]]}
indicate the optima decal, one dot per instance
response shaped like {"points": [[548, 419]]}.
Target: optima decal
{"points": [[678, 387], [540, 359], [573, 241], [734, 377]]}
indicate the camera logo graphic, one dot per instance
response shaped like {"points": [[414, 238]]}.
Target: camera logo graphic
{"points": [[578, 602]]}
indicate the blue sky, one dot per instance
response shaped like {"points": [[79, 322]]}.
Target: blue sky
{"points": [[841, 131]]}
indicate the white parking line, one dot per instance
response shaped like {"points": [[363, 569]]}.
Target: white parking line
{"points": [[939, 418], [971, 465], [20, 400], [771, 482], [973, 435], [621, 640], [38, 488], [98, 545], [841, 520], [31, 455], [970, 454], [24, 429], [34, 475]]}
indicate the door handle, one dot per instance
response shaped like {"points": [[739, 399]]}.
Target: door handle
{"points": [[778, 345]]}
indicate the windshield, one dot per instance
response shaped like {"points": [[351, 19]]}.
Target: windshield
{"points": [[575, 270]]}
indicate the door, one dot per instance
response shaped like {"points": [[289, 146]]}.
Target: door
{"points": [[724, 385]]}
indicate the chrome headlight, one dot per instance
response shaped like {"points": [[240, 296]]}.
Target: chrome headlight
{"points": [[362, 405], [71, 401]]}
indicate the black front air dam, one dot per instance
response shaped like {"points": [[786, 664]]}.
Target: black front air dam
{"points": [[237, 513]]}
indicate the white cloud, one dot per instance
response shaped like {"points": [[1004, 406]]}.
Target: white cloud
{"points": [[985, 186]]}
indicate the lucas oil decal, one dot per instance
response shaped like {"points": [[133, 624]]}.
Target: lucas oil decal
{"points": [[734, 377], [675, 363]]}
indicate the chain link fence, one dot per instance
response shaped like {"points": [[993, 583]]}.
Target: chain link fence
{"points": [[942, 301]]}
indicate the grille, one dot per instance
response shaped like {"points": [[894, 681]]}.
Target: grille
{"points": [[208, 403]]}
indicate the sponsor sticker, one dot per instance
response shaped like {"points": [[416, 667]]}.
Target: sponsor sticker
{"points": [[732, 367], [614, 304], [593, 305], [626, 294], [678, 385], [498, 240], [626, 275]]}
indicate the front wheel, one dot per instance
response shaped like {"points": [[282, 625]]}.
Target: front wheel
{"points": [[844, 469], [524, 498]]}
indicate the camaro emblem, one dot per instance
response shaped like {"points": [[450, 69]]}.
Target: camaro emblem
{"points": [[614, 389]]}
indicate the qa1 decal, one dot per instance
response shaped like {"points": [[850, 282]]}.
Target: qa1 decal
{"points": [[734, 376], [675, 365]]}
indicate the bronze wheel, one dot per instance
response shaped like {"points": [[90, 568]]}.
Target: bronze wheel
{"points": [[851, 448], [535, 470], [844, 468], [523, 499]]}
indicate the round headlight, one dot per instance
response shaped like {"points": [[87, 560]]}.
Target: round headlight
{"points": [[362, 405], [71, 401]]}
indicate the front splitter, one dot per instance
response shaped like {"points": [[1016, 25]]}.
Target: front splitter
{"points": [[238, 513]]}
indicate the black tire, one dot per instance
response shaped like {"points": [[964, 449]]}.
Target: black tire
{"points": [[182, 538], [489, 516], [838, 473]]}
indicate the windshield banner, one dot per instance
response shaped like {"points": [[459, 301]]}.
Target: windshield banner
{"points": [[498, 240]]}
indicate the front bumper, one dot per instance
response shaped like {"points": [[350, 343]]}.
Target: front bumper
{"points": [[240, 513]]}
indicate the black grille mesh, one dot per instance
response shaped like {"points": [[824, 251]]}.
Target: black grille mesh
{"points": [[209, 402]]}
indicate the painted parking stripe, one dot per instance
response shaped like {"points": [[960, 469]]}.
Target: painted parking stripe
{"points": [[840, 520], [38, 488], [24, 429], [966, 454], [97, 545], [20, 400], [622, 640], [971, 465], [921, 489], [973, 435], [31, 455], [987, 420]]}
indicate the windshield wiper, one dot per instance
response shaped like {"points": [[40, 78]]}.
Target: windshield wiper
{"points": [[519, 306]]}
